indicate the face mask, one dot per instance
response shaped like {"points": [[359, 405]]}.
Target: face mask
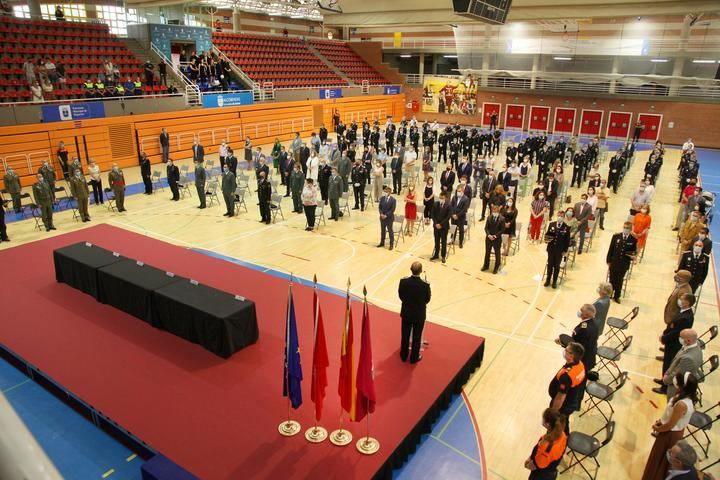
{"points": [[568, 215], [667, 454], [560, 219], [642, 190], [697, 250], [565, 355], [579, 314], [626, 231], [694, 219], [541, 197], [644, 211], [680, 305], [701, 236], [77, 175]]}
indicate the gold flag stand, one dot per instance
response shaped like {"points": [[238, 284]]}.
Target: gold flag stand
{"points": [[367, 445], [289, 427], [340, 437]]}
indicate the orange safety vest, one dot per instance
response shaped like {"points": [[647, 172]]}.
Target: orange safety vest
{"points": [[575, 372], [548, 455]]}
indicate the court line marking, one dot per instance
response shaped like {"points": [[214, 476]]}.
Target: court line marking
{"points": [[108, 473], [459, 452], [17, 385]]}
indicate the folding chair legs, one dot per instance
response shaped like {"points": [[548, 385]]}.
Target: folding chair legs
{"points": [[575, 460], [596, 406]]}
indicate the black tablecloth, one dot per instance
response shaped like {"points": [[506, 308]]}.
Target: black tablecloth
{"points": [[77, 265], [206, 316], [130, 287]]}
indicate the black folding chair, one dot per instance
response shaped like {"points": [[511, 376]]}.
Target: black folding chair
{"points": [[713, 364], [609, 357], [708, 336], [110, 199], [701, 422], [619, 325], [599, 393], [582, 446]]}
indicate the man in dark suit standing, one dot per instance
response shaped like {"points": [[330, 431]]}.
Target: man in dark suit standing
{"points": [[581, 212], [231, 161], [465, 168], [165, 145], [264, 194], [459, 206], [447, 179], [551, 186], [670, 337], [558, 241], [146, 173], [623, 248], [494, 227], [486, 189], [228, 190], [396, 168], [386, 207], [198, 152], [200, 178], [414, 294], [441, 214], [173, 177]]}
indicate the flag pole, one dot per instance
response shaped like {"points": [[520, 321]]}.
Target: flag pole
{"points": [[367, 445], [317, 433], [342, 437], [289, 427]]}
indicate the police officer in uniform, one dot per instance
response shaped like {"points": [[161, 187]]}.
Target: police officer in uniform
{"points": [[228, 190], [44, 200], [116, 179], [558, 241], [358, 177], [414, 294], [79, 190], [173, 177], [623, 248], [696, 262], [566, 386], [200, 177]]}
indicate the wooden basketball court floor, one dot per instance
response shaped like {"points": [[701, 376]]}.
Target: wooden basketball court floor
{"points": [[518, 316]]}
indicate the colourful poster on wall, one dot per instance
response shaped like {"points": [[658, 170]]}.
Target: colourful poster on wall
{"points": [[397, 39], [450, 95]]}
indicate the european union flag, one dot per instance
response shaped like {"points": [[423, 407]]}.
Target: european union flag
{"points": [[292, 377]]}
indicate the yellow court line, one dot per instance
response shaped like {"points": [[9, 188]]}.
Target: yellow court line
{"points": [[108, 473], [131, 457]]}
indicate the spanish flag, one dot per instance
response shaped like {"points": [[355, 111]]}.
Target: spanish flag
{"points": [[346, 382], [320, 360], [365, 403]]}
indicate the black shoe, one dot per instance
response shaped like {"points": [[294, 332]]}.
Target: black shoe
{"points": [[546, 284], [485, 267], [443, 260], [660, 390], [495, 271], [659, 358], [286, 195], [662, 349], [418, 359], [380, 245], [403, 359], [554, 285], [658, 381], [341, 214], [47, 229], [434, 257], [356, 208], [391, 247], [617, 300], [602, 228], [53, 228]]}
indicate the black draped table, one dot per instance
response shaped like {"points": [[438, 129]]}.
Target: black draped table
{"points": [[130, 285], [219, 321], [78, 264]]}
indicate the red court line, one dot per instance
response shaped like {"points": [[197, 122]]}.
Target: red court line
{"points": [[295, 256], [481, 447]]}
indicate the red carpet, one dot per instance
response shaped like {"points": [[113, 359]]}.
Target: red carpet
{"points": [[218, 418]]}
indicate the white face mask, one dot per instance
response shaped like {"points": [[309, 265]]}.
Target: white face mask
{"points": [[579, 314], [701, 236], [626, 231], [565, 355], [679, 303], [697, 250]]}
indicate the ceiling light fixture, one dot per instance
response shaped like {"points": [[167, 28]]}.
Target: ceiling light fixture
{"points": [[450, 56], [562, 59], [659, 60], [405, 56], [703, 60]]}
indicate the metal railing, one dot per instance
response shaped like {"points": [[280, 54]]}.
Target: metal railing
{"points": [[675, 86], [192, 91], [86, 100], [28, 161], [235, 68]]}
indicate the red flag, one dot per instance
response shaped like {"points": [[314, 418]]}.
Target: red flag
{"points": [[320, 361], [346, 382], [365, 402]]}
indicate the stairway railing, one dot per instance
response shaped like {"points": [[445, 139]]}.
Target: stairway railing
{"points": [[192, 91]]}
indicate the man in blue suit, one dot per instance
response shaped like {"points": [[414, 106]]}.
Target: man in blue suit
{"points": [[198, 152], [459, 206], [386, 206]]}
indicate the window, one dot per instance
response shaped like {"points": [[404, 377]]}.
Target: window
{"points": [[190, 21], [117, 19], [21, 11], [73, 12]]}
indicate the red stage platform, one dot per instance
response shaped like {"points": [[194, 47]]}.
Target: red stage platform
{"points": [[218, 418]]}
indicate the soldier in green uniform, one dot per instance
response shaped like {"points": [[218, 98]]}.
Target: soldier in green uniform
{"points": [[228, 190], [79, 190], [116, 179], [297, 182], [14, 188], [200, 177], [77, 165], [44, 200], [48, 172]]}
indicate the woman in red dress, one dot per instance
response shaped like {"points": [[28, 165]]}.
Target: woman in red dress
{"points": [[410, 209]]}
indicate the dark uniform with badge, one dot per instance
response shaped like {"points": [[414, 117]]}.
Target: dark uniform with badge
{"points": [[697, 265], [558, 242], [622, 249]]}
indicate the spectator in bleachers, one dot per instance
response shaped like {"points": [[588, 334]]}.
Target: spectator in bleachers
{"points": [[51, 71], [99, 88], [59, 13], [149, 73], [60, 72], [162, 70], [129, 86], [29, 70], [138, 86], [36, 92], [88, 89], [108, 71], [120, 90], [47, 89]]}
